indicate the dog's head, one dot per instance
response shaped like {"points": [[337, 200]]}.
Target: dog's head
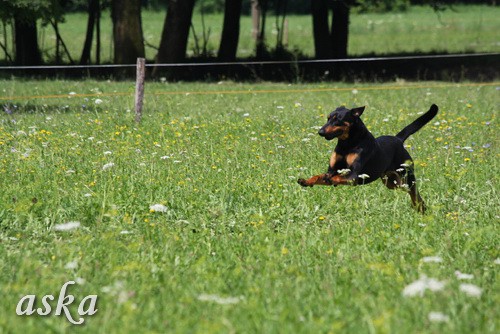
{"points": [[340, 122]]}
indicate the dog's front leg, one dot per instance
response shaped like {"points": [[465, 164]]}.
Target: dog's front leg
{"points": [[322, 180]]}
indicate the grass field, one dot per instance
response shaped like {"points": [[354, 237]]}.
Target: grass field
{"points": [[420, 29], [237, 246]]}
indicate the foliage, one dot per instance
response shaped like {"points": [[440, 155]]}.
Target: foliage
{"points": [[235, 244], [381, 6], [31, 9]]}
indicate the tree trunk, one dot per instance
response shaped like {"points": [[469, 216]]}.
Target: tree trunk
{"points": [[127, 31], [87, 46], [230, 31], [175, 33], [261, 49], [321, 30], [27, 51], [340, 29]]}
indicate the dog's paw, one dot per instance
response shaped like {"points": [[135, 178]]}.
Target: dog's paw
{"points": [[303, 183]]}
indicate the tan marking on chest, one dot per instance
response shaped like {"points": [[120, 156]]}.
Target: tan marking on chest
{"points": [[334, 158], [351, 157]]}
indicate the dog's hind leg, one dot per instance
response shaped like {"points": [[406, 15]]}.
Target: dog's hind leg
{"points": [[407, 182], [416, 199]]}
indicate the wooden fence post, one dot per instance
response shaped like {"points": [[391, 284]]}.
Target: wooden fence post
{"points": [[139, 88]]}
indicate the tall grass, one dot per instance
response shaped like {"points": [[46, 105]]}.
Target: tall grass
{"points": [[241, 247]]}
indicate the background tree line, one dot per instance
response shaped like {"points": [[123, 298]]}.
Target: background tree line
{"points": [[330, 20]]}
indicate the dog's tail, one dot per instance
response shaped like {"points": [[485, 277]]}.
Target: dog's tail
{"points": [[418, 123]]}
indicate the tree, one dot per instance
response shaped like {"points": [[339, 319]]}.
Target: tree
{"points": [[230, 30], [93, 20], [340, 28], [27, 51], [127, 31], [321, 31], [331, 42], [175, 32]]}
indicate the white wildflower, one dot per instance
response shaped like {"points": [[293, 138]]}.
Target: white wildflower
{"points": [[80, 281], [432, 259], [463, 276], [344, 171], [98, 101], [158, 208], [220, 300], [108, 165], [405, 165], [497, 260], [67, 226], [424, 283], [71, 265], [107, 152], [438, 317], [246, 115], [355, 91], [471, 290], [363, 176]]}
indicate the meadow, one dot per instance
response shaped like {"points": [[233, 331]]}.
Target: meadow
{"points": [[418, 30], [192, 221]]}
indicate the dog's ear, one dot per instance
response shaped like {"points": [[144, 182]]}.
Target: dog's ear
{"points": [[357, 111]]}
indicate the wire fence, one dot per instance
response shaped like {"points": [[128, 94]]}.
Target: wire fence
{"points": [[255, 63]]}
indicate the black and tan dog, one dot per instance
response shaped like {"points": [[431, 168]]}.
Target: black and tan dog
{"points": [[359, 158]]}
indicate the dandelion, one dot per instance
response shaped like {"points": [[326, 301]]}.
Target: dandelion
{"points": [[438, 317], [108, 166], [69, 226], [344, 171], [463, 276], [158, 208], [432, 259], [220, 300], [424, 283], [471, 290]]}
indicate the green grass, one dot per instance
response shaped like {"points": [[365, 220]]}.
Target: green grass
{"points": [[420, 29], [238, 226]]}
